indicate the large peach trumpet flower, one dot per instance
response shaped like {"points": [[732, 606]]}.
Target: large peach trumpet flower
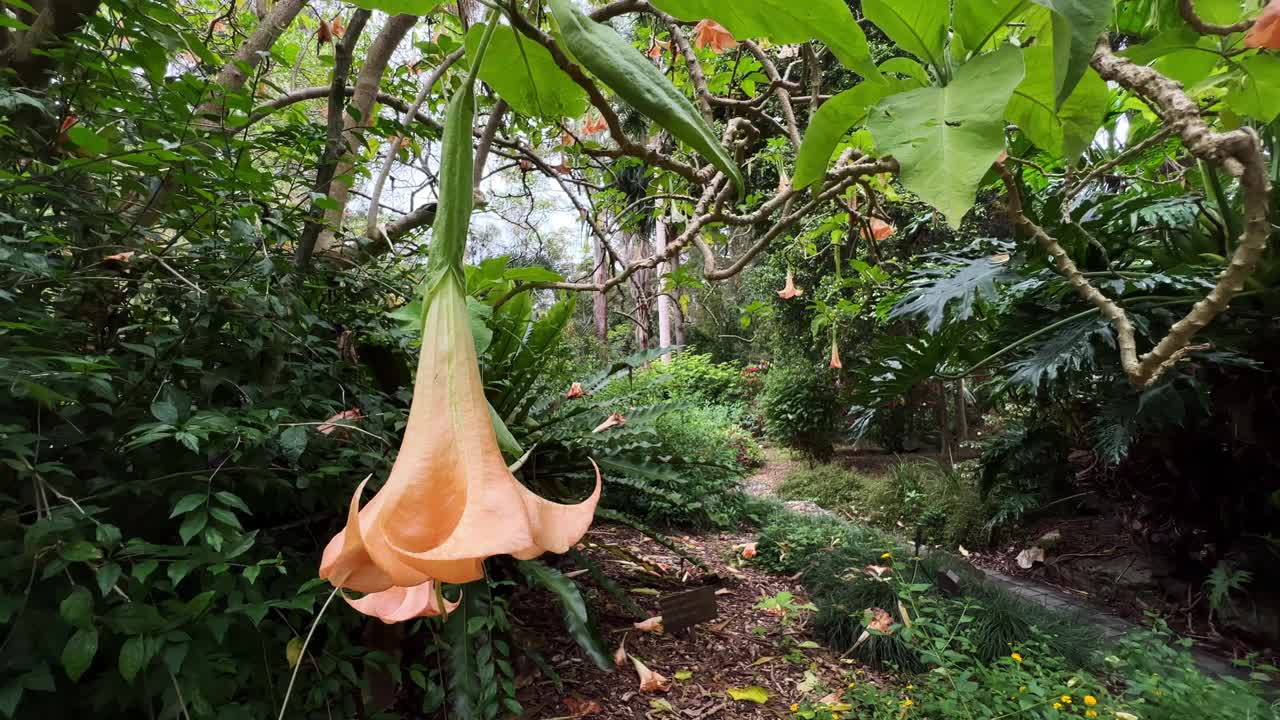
{"points": [[1265, 32], [789, 290], [450, 501]]}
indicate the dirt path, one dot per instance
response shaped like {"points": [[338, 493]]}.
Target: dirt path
{"points": [[778, 465]]}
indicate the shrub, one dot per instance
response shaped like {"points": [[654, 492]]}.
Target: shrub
{"points": [[800, 410], [935, 506]]}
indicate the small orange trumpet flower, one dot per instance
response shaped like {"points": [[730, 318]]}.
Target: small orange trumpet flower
{"points": [[880, 229], [450, 501], [789, 290], [1265, 32], [835, 356], [712, 34], [575, 392]]}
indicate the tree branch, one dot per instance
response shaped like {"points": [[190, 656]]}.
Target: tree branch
{"points": [[1188, 13]]}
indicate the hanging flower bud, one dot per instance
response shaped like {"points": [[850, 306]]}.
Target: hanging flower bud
{"points": [[835, 356], [879, 230], [324, 33]]}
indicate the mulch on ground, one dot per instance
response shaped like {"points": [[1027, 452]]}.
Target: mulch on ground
{"points": [[743, 646]]}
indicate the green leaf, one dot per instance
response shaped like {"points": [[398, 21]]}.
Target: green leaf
{"points": [[1256, 93], [187, 504], [506, 441], [135, 654], [979, 22], [1076, 27], [77, 608], [635, 79], [1068, 131], [80, 551], [834, 118], [293, 441], [399, 7], [751, 693], [233, 501], [10, 696], [919, 26], [946, 138], [107, 576], [576, 618], [524, 74], [88, 140], [787, 22], [192, 525], [164, 411], [78, 653], [908, 67]]}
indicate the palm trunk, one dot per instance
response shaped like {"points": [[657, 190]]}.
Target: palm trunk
{"points": [[600, 300]]}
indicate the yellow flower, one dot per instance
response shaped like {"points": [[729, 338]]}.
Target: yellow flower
{"points": [[1022, 688], [1017, 657], [886, 556], [1066, 699], [794, 707], [1090, 700], [853, 685], [1091, 713], [911, 687], [908, 703], [1057, 706], [835, 716]]}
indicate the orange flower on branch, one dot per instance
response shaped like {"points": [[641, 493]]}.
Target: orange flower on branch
{"points": [[879, 230], [336, 27], [712, 34], [657, 49], [835, 356], [789, 290], [593, 123], [450, 501], [1265, 32], [324, 33], [398, 604]]}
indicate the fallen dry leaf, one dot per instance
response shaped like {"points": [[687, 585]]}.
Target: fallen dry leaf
{"points": [[579, 707], [877, 571], [964, 553], [1029, 557], [650, 681], [748, 550], [653, 625]]}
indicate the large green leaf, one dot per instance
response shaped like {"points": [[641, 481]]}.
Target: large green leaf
{"points": [[399, 7], [919, 27], [1181, 54], [523, 73], [978, 22], [1257, 92], [786, 21], [834, 118], [1076, 27], [576, 618], [945, 138], [1069, 130]]}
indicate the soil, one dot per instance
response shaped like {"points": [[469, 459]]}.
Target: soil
{"points": [[742, 647]]}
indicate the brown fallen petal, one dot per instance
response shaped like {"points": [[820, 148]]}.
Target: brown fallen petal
{"points": [[650, 681], [653, 625]]}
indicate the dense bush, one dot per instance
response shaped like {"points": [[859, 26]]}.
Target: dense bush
{"points": [[916, 497], [801, 410]]}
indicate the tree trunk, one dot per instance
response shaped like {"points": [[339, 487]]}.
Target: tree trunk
{"points": [[600, 300], [375, 64], [962, 412], [678, 316], [664, 298], [638, 247], [944, 425]]}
